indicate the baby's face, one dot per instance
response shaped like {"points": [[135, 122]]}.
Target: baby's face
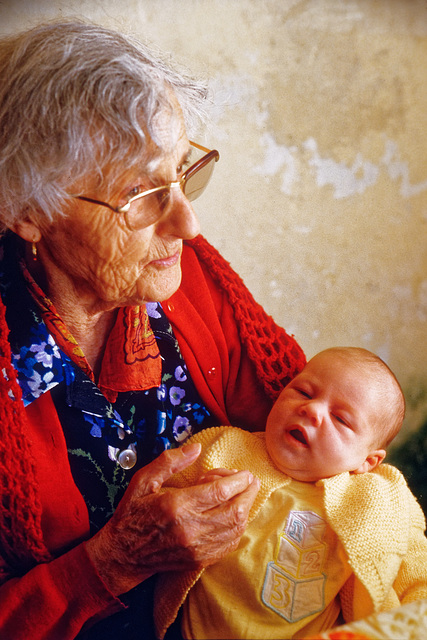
{"points": [[323, 422]]}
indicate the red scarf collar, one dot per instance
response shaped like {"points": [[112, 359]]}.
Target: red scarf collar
{"points": [[131, 359]]}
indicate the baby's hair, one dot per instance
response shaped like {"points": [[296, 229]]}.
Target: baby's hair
{"points": [[391, 409]]}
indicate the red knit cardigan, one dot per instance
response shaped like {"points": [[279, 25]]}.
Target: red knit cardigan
{"points": [[239, 360]]}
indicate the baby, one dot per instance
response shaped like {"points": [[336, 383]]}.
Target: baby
{"points": [[333, 534]]}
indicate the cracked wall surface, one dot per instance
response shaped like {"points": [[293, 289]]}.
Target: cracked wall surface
{"points": [[319, 200]]}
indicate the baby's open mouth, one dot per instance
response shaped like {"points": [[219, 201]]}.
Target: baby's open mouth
{"points": [[298, 435]]}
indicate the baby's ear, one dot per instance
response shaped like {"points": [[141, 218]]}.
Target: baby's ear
{"points": [[372, 461]]}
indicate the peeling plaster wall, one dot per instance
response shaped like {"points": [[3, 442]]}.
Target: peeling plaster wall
{"points": [[320, 198]]}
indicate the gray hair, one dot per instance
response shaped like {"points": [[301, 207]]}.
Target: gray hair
{"points": [[76, 98]]}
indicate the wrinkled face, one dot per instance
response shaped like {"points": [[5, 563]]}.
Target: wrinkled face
{"points": [[323, 422], [110, 265]]}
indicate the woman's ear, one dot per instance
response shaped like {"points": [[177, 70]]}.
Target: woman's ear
{"points": [[372, 461], [27, 230]]}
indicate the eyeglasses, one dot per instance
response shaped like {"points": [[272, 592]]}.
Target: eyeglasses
{"points": [[145, 208]]}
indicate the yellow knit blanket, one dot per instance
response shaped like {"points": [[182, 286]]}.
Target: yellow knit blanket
{"points": [[374, 514]]}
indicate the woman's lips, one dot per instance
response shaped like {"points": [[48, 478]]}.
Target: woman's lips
{"points": [[168, 261]]}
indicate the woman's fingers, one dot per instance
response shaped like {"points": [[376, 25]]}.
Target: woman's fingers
{"points": [[151, 478], [206, 496], [202, 524], [215, 474]]}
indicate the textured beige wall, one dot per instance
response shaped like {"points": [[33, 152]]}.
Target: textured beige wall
{"points": [[320, 198]]}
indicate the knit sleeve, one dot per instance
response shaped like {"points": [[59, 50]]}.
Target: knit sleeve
{"points": [[54, 600], [381, 526], [20, 520], [411, 581]]}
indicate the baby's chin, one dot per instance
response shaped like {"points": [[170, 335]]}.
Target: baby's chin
{"points": [[300, 475]]}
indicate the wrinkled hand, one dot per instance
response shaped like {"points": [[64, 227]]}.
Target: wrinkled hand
{"points": [[176, 529]]}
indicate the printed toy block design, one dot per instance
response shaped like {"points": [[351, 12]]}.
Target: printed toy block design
{"points": [[305, 528], [291, 598], [294, 582]]}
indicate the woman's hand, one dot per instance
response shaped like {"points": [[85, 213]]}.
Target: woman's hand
{"points": [[176, 529]]}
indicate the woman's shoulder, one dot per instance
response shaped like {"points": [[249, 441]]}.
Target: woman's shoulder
{"points": [[276, 354]]}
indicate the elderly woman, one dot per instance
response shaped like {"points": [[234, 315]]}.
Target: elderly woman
{"points": [[122, 332]]}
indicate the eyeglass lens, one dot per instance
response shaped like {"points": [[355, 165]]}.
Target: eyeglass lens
{"points": [[196, 183], [146, 211]]}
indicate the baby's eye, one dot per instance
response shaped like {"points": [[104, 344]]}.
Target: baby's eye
{"points": [[303, 393], [340, 420]]}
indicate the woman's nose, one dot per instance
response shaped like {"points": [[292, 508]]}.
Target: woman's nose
{"points": [[180, 219]]}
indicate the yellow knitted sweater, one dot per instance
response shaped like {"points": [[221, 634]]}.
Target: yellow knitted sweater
{"points": [[375, 516]]}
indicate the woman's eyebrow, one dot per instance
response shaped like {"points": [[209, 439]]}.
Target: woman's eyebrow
{"points": [[186, 156]]}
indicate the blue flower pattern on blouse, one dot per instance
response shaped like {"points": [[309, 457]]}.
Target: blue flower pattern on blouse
{"points": [[39, 364]]}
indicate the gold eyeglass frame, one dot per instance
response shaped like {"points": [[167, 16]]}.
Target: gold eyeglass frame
{"points": [[194, 168]]}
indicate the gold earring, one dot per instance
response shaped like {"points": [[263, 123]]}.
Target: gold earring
{"points": [[34, 250]]}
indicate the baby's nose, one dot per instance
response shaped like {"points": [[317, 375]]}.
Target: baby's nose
{"points": [[313, 411]]}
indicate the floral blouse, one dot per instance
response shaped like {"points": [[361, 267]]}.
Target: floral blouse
{"points": [[108, 438]]}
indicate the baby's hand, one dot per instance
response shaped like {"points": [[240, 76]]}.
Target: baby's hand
{"points": [[214, 474]]}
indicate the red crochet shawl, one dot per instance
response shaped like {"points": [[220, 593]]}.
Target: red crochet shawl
{"points": [[20, 510]]}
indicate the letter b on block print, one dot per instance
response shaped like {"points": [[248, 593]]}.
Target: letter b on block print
{"points": [[294, 583]]}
